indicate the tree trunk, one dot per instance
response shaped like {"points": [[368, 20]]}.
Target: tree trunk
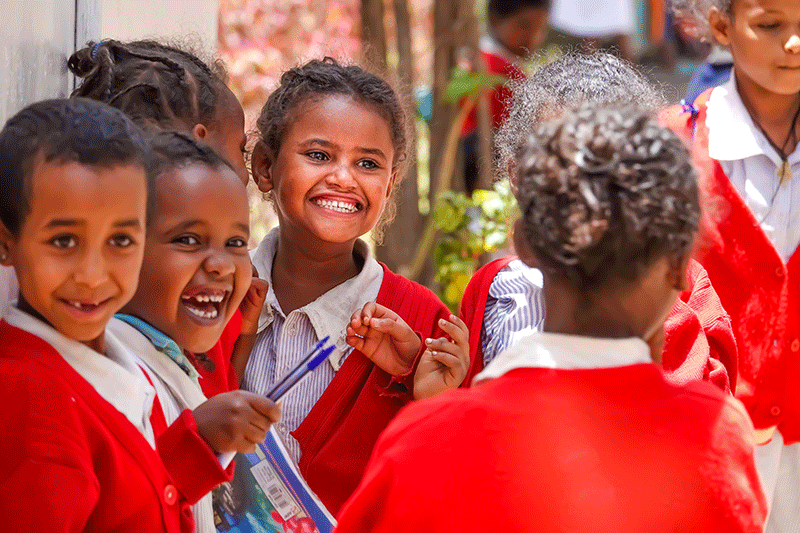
{"points": [[373, 32], [401, 237]]}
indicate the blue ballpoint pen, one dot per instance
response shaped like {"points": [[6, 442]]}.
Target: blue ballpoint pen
{"points": [[304, 367]]}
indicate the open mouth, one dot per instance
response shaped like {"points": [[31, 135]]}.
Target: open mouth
{"points": [[206, 304], [83, 306], [338, 206]]}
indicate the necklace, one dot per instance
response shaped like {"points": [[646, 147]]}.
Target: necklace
{"points": [[785, 170]]}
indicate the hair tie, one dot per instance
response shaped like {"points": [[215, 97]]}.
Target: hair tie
{"points": [[96, 46]]}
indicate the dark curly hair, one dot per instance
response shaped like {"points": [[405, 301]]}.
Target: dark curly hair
{"points": [[61, 131], [319, 78], [172, 149], [157, 85], [603, 193], [566, 82]]}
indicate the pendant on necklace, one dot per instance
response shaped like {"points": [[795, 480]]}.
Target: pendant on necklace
{"points": [[785, 172]]}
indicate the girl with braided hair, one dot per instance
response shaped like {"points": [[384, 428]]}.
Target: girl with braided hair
{"points": [[576, 428]]}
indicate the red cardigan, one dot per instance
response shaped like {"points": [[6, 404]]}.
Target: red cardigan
{"points": [[337, 436], [699, 343], [71, 462], [616, 449], [500, 97], [761, 293]]}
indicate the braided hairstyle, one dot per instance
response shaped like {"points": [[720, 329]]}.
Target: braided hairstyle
{"points": [[564, 83], [604, 193], [158, 86]]}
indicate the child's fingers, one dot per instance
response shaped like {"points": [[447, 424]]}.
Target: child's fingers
{"points": [[397, 328], [443, 345], [260, 287], [456, 328], [355, 341], [264, 407], [368, 311], [449, 360]]}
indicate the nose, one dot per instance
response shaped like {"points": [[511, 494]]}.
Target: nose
{"points": [[91, 270], [341, 176], [219, 263], [793, 43]]}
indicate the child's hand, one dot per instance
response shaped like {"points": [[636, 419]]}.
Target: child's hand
{"points": [[385, 338], [445, 363], [252, 303], [235, 421]]}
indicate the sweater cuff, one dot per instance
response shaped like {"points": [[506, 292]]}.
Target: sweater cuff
{"points": [[194, 467]]}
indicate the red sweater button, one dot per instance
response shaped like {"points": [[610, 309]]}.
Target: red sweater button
{"points": [[795, 345], [170, 494], [775, 410]]}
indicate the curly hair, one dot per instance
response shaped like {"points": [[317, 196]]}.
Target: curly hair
{"points": [[566, 82], [319, 78], [60, 131], [603, 193], [157, 85], [697, 11]]}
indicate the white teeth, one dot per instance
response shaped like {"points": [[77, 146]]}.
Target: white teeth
{"points": [[202, 298], [203, 314], [341, 207]]}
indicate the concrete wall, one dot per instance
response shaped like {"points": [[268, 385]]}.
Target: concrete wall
{"points": [[37, 36]]}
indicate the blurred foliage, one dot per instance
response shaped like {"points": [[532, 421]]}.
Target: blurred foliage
{"points": [[471, 227], [464, 83]]}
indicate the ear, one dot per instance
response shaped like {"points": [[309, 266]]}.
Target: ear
{"points": [[261, 167], [521, 246], [199, 131], [676, 276], [6, 246], [720, 24], [392, 180]]}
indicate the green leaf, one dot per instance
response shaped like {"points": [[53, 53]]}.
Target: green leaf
{"points": [[463, 84]]}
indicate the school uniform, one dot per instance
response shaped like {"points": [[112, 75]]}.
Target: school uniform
{"points": [[192, 463], [78, 446], [331, 420], [564, 433], [748, 243], [504, 302]]}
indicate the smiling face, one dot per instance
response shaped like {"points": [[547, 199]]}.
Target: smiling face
{"points": [[78, 252], [333, 173], [764, 38], [196, 268]]}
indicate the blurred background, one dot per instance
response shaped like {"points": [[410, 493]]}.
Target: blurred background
{"points": [[452, 211]]}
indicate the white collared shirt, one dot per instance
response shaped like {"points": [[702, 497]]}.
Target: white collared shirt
{"points": [[283, 340], [8, 288], [752, 164], [567, 352], [116, 376]]}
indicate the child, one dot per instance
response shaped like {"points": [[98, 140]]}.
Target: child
{"points": [[196, 271], [516, 29], [504, 299], [164, 87], [78, 446], [331, 141], [745, 136], [574, 428]]}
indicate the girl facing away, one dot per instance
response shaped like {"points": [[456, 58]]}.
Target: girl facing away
{"points": [[331, 145], [575, 428], [744, 135], [504, 300]]}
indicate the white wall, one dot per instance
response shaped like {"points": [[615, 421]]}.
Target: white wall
{"points": [[37, 37]]}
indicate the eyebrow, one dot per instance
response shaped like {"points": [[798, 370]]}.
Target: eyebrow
{"points": [[245, 228], [323, 142], [72, 222]]}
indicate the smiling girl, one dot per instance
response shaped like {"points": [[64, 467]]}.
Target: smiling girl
{"points": [[747, 133], [332, 140]]}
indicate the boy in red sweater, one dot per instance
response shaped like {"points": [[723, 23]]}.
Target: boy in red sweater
{"points": [[575, 428], [78, 446]]}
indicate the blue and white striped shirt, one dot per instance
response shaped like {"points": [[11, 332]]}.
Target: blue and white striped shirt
{"points": [[283, 340], [514, 308]]}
